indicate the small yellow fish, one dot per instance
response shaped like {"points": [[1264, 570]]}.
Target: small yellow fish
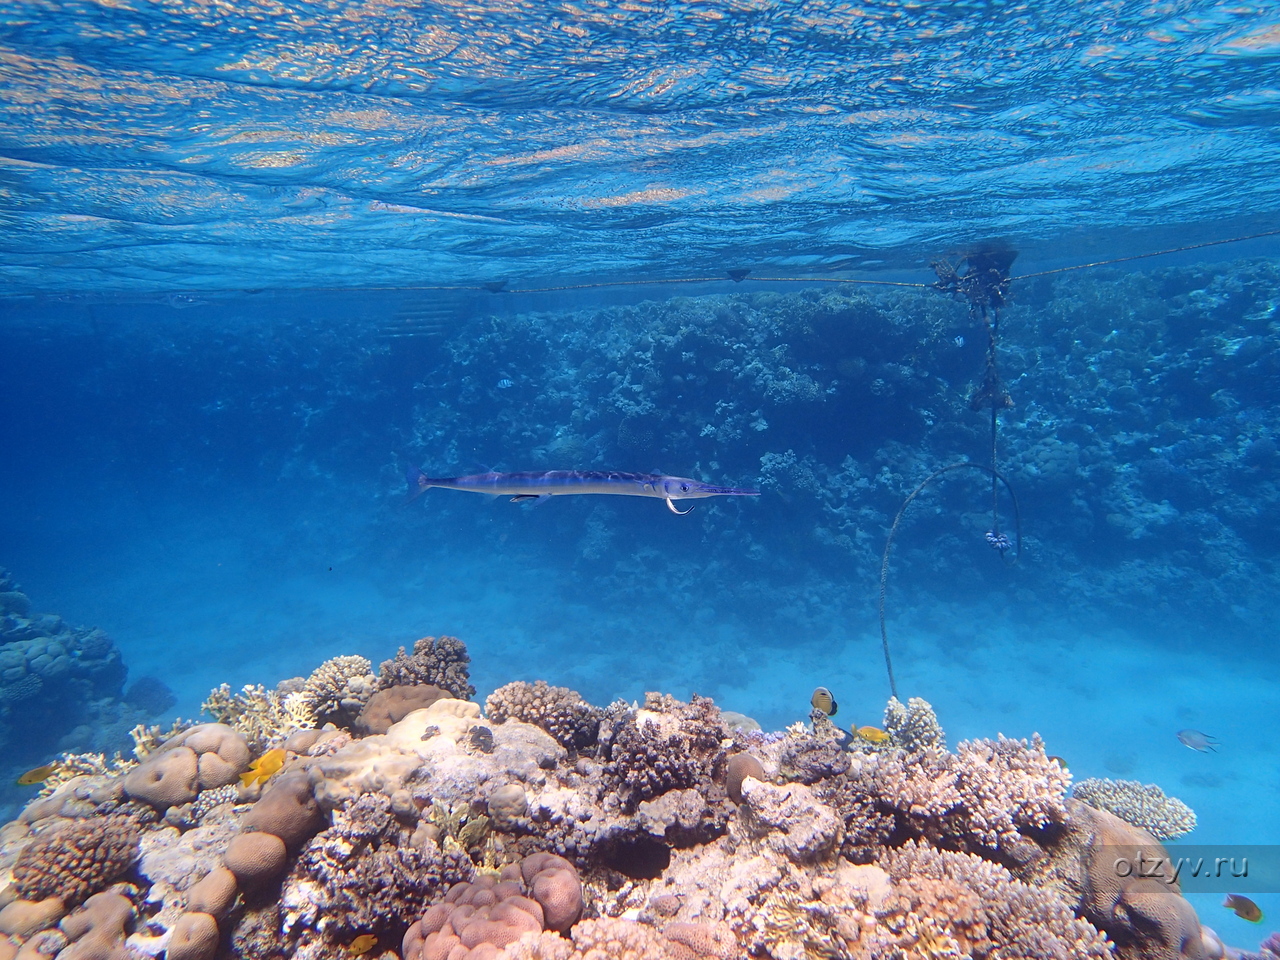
{"points": [[872, 734], [262, 769], [824, 701], [1243, 907], [1059, 761], [36, 775], [363, 944]]}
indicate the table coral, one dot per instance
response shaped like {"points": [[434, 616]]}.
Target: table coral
{"points": [[442, 662], [77, 860], [558, 710], [1141, 804]]}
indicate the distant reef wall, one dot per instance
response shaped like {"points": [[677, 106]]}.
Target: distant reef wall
{"points": [[62, 690], [1142, 440]]}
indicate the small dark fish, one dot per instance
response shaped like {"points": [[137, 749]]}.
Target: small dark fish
{"points": [[1195, 740], [36, 775], [824, 701], [1059, 761], [1243, 907]]}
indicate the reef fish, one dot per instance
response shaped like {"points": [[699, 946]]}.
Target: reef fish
{"points": [[262, 769], [824, 701], [1198, 741], [1243, 907], [363, 944], [872, 734], [36, 775], [539, 486]]}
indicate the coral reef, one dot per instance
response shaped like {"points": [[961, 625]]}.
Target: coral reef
{"points": [[1142, 804], [558, 710], [667, 836], [62, 688], [441, 662], [339, 688], [261, 715], [77, 860]]}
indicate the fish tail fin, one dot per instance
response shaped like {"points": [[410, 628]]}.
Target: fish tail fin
{"points": [[417, 483]]}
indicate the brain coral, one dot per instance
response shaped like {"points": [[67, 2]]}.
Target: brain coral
{"points": [[1141, 804], [558, 710], [77, 860], [479, 918], [442, 662]]}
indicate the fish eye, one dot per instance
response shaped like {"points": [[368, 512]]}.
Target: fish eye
{"points": [[684, 488]]}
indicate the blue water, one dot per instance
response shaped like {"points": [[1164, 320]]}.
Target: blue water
{"points": [[243, 265]]}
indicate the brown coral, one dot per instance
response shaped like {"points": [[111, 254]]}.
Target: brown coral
{"points": [[97, 930], [441, 662], [392, 704], [77, 860], [560, 711]]}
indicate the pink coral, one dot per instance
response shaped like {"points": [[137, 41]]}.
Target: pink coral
{"points": [[943, 901], [1006, 784]]}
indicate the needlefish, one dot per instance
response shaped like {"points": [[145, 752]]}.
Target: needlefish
{"points": [[554, 483]]}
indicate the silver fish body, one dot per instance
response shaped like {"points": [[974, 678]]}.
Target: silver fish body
{"points": [[538, 486]]}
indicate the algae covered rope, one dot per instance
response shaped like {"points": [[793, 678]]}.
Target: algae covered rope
{"points": [[985, 285], [996, 477]]}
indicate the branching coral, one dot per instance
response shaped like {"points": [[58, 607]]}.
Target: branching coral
{"points": [[340, 686], [1006, 784], [442, 662], [978, 909], [667, 746], [558, 710], [262, 715], [1141, 804], [367, 877], [77, 860], [913, 727], [68, 766]]}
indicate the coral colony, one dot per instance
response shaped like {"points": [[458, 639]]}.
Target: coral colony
{"points": [[354, 813]]}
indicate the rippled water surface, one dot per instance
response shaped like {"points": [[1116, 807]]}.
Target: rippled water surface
{"points": [[185, 145]]}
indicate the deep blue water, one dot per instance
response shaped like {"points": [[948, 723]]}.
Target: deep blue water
{"points": [[243, 265]]}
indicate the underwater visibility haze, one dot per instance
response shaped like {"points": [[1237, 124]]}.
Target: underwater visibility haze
{"points": [[800, 333]]}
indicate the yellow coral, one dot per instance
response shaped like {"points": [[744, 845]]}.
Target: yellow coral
{"points": [[260, 714], [68, 766]]}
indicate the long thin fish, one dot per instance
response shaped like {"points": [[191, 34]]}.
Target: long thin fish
{"points": [[539, 486]]}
